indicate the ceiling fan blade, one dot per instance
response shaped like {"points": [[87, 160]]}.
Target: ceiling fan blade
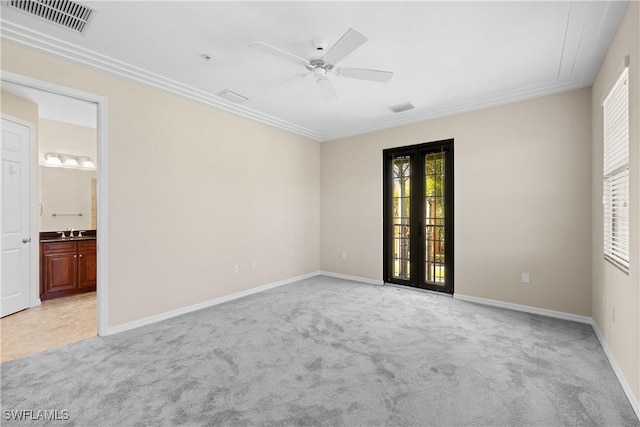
{"points": [[278, 52], [326, 87], [350, 41], [364, 74], [279, 82]]}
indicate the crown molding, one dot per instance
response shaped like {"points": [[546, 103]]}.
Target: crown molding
{"points": [[454, 109], [580, 49], [23, 36]]}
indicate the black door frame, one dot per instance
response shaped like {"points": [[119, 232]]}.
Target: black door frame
{"points": [[417, 223]]}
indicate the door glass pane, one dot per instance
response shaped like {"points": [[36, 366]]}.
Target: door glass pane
{"points": [[434, 218], [401, 267]]}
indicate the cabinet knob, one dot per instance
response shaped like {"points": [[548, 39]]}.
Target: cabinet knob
{"points": [[80, 255], [75, 256]]}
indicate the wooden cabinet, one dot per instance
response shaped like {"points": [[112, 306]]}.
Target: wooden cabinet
{"points": [[67, 268], [87, 261]]}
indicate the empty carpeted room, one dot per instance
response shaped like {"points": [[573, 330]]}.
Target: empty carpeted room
{"points": [[330, 213]]}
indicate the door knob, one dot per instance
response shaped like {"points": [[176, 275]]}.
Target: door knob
{"points": [[26, 240]]}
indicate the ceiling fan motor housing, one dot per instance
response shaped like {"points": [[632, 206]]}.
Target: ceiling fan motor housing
{"points": [[319, 63]]}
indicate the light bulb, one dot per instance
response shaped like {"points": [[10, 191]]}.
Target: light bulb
{"points": [[71, 161], [52, 160], [87, 163]]}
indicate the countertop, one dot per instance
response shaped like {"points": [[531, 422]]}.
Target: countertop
{"points": [[67, 239], [54, 236]]}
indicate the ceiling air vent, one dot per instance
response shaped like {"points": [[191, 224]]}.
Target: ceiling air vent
{"points": [[401, 107], [232, 96], [67, 13]]}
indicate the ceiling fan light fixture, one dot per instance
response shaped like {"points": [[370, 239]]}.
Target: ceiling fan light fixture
{"points": [[320, 73], [406, 106]]}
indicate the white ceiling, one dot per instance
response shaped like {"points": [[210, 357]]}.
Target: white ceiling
{"points": [[447, 57]]}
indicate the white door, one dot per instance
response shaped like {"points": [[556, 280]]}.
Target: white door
{"points": [[16, 269]]}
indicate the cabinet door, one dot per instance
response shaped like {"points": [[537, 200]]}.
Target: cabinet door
{"points": [[87, 262], [60, 274]]}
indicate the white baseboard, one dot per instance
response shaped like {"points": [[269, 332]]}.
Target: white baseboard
{"points": [[525, 308], [353, 278], [633, 400], [199, 306]]}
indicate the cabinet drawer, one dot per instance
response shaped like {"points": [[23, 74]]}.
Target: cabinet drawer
{"points": [[58, 247], [87, 245]]}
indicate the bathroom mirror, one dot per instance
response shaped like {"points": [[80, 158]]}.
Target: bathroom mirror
{"points": [[67, 199]]}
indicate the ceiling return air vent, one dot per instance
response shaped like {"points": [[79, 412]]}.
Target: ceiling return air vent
{"points": [[402, 107], [68, 14], [232, 96]]}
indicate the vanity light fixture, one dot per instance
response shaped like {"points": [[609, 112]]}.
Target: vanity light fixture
{"points": [[68, 161], [52, 159], [71, 162], [87, 163]]}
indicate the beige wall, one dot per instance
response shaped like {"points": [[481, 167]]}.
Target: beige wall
{"points": [[193, 191], [522, 200], [66, 138], [19, 108], [612, 288]]}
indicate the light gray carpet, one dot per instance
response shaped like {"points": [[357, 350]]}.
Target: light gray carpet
{"points": [[329, 352]]}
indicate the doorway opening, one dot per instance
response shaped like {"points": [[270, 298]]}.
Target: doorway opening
{"points": [[67, 280], [418, 216]]}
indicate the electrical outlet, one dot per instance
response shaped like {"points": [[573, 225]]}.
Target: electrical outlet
{"points": [[526, 278], [253, 265], [344, 255], [236, 269]]}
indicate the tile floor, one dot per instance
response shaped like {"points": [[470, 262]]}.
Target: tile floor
{"points": [[55, 323]]}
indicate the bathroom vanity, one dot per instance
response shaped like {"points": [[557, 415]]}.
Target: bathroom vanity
{"points": [[67, 264]]}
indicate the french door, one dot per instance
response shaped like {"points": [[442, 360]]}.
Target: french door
{"points": [[418, 216]]}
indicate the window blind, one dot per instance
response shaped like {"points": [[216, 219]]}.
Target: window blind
{"points": [[616, 173]]}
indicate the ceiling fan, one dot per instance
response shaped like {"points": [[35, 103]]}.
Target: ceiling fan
{"points": [[322, 66]]}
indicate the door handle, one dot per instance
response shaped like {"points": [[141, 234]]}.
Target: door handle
{"points": [[26, 240]]}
